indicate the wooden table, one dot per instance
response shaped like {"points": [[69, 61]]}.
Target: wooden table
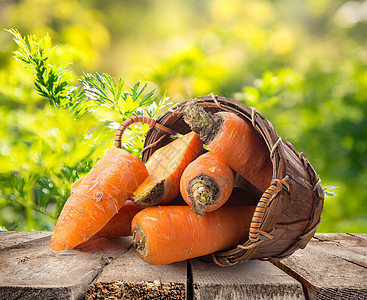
{"points": [[333, 266]]}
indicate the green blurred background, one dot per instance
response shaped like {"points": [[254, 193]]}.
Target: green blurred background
{"points": [[302, 64]]}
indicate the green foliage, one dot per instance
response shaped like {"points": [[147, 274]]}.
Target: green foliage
{"points": [[106, 91], [272, 88], [49, 146], [49, 79], [34, 55], [48, 154], [329, 191]]}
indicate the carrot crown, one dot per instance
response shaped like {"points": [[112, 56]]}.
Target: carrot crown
{"points": [[203, 192], [203, 123], [139, 240]]}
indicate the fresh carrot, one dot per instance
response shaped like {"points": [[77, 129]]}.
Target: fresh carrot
{"points": [[76, 183], [206, 183], [165, 168], [167, 234], [120, 224], [96, 198], [235, 141]]}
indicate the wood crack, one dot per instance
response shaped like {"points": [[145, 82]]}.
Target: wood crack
{"points": [[189, 283], [306, 285], [359, 236], [353, 262]]}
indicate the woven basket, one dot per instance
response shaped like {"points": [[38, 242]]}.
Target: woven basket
{"points": [[288, 211]]}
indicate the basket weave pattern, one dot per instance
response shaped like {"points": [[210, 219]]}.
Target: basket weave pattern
{"points": [[288, 213]]}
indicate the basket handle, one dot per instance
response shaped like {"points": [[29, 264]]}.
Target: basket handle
{"points": [[139, 119], [257, 219]]}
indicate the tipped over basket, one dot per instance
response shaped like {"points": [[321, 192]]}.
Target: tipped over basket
{"points": [[288, 212]]}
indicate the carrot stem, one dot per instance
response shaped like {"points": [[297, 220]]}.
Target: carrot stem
{"points": [[138, 238], [202, 122]]}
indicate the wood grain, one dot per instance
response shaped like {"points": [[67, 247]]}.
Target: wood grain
{"points": [[333, 266], [13, 238], [129, 277], [30, 269], [250, 280]]}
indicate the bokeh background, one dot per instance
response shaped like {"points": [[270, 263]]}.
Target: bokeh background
{"points": [[302, 64]]}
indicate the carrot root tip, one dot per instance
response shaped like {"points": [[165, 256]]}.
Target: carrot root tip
{"points": [[203, 192], [152, 197], [203, 123], [138, 239]]}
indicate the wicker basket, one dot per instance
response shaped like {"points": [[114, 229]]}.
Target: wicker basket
{"points": [[288, 211]]}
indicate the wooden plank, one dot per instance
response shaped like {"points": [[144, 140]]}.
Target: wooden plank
{"points": [[129, 277], [13, 238], [332, 266], [32, 270], [350, 247], [360, 235], [249, 280]]}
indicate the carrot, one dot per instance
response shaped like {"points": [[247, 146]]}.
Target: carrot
{"points": [[167, 234], [120, 224], [165, 168], [206, 183], [77, 183], [234, 141], [96, 198]]}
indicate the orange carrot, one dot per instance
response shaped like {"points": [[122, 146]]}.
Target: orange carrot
{"points": [[206, 183], [96, 198], [120, 224], [167, 234], [77, 183], [235, 141], [165, 168]]}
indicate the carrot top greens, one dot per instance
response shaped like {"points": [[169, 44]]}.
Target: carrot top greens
{"points": [[52, 81], [66, 134]]}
